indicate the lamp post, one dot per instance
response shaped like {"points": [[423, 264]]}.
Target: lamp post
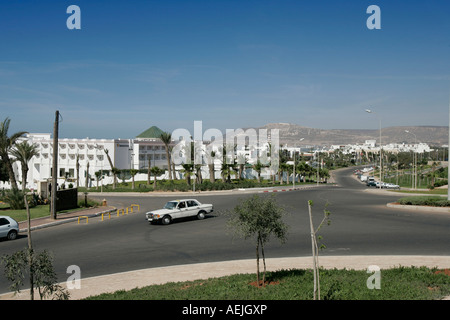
{"points": [[381, 161], [414, 160]]}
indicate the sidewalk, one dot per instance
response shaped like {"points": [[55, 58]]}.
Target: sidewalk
{"points": [[44, 222]]}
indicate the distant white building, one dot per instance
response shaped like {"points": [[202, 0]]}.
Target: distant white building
{"points": [[91, 157], [89, 154]]}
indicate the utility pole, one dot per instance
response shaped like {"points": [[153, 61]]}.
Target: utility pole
{"points": [[55, 166]]}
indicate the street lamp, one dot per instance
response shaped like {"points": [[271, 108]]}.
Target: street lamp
{"points": [[381, 161], [414, 160]]}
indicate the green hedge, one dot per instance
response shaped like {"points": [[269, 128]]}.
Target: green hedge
{"points": [[425, 201]]}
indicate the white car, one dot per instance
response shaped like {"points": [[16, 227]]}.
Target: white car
{"points": [[392, 186], [176, 209], [9, 228]]}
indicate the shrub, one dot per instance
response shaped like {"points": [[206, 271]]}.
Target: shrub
{"points": [[14, 198], [425, 201]]}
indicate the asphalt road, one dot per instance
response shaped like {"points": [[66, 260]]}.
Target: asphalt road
{"points": [[361, 224]]}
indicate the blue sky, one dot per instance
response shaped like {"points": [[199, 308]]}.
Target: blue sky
{"points": [[230, 64]]}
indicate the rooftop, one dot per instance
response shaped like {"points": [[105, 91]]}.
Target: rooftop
{"points": [[151, 133]]}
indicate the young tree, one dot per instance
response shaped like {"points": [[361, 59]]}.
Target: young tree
{"points": [[39, 267], [259, 219], [315, 247]]}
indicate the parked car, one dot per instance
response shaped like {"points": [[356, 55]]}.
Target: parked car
{"points": [[176, 209], [379, 184], [9, 228], [392, 186]]}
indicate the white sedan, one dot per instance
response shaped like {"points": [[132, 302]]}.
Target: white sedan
{"points": [[392, 186], [176, 209]]}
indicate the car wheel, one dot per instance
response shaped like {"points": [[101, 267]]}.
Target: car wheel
{"points": [[166, 220], [12, 235], [201, 215]]}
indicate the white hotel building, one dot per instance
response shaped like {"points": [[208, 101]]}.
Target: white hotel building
{"points": [[91, 155]]}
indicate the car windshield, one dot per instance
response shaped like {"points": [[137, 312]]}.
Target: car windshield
{"points": [[170, 205]]}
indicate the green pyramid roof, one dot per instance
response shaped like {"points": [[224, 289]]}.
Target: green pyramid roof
{"points": [[151, 133]]}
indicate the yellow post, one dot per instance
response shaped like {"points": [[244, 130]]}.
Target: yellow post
{"points": [[109, 213], [136, 205], [87, 219]]}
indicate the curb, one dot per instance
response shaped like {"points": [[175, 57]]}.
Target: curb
{"points": [[58, 222], [417, 208]]}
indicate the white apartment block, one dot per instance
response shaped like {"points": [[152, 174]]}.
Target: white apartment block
{"points": [[91, 158]]}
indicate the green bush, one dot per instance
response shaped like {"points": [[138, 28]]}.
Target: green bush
{"points": [[440, 183], [14, 198], [425, 201]]}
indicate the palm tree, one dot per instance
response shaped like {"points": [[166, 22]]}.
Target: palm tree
{"points": [[23, 152], [98, 176], [149, 170], [156, 172], [242, 160], [210, 159], [77, 165], [133, 172], [188, 169], [166, 138], [6, 143], [258, 166], [114, 170], [284, 167]]}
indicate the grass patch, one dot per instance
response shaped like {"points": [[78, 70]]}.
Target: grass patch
{"points": [[40, 211], [424, 191], [433, 201], [399, 283]]}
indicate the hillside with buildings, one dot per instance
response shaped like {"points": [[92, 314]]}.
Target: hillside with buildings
{"points": [[291, 134]]}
